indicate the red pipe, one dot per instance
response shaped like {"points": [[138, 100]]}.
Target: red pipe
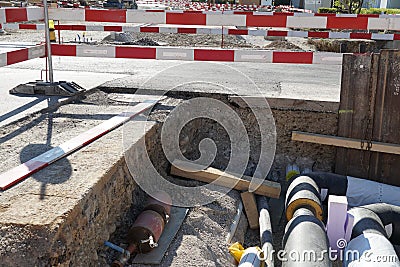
{"points": [[147, 228]]}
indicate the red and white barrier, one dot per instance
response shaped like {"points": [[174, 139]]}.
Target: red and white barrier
{"points": [[20, 14], [19, 173], [209, 30], [217, 18], [197, 54], [211, 18], [20, 55], [23, 26]]}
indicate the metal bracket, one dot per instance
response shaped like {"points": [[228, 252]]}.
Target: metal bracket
{"points": [[368, 145], [151, 242], [61, 88]]}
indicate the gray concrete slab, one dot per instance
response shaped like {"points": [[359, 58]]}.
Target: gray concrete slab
{"points": [[308, 82]]}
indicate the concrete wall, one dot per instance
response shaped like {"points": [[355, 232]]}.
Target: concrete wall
{"points": [[311, 4]]}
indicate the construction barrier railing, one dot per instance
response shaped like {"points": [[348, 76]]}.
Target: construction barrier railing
{"points": [[228, 30], [233, 18], [210, 18], [22, 54]]}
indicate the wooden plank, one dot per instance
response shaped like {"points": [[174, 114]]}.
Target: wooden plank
{"points": [[353, 113], [155, 256], [384, 167], [250, 207], [344, 142], [209, 175]]}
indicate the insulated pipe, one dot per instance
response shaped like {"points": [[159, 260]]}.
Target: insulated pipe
{"points": [[160, 202], [250, 258], [147, 228], [336, 184], [389, 215], [265, 231], [303, 192], [143, 235], [146, 231], [305, 241], [369, 245], [358, 191]]}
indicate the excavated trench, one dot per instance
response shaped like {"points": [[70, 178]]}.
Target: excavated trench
{"points": [[303, 115], [67, 223]]}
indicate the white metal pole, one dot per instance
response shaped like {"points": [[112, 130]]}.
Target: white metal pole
{"points": [[48, 44]]}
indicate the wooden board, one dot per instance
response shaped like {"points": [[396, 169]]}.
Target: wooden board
{"points": [[353, 113], [250, 207], [370, 79], [344, 142], [209, 175], [171, 229], [386, 168]]}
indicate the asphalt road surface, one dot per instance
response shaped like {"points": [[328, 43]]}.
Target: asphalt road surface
{"points": [[312, 82]]}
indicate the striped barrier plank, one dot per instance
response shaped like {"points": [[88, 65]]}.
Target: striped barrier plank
{"points": [[211, 18], [21, 172], [226, 12], [216, 18], [23, 54], [210, 30], [20, 14], [197, 54]]}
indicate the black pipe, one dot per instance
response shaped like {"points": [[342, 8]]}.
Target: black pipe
{"points": [[335, 183], [358, 191], [305, 241], [265, 230]]}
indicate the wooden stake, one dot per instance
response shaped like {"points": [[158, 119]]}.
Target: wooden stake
{"points": [[250, 207]]}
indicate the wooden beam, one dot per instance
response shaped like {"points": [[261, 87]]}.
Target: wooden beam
{"points": [[250, 207], [209, 175], [345, 142]]}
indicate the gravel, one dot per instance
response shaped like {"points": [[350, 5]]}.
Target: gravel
{"points": [[155, 39]]}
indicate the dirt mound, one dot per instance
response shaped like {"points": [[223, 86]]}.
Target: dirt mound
{"points": [[121, 37], [145, 42], [348, 46], [282, 45]]}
